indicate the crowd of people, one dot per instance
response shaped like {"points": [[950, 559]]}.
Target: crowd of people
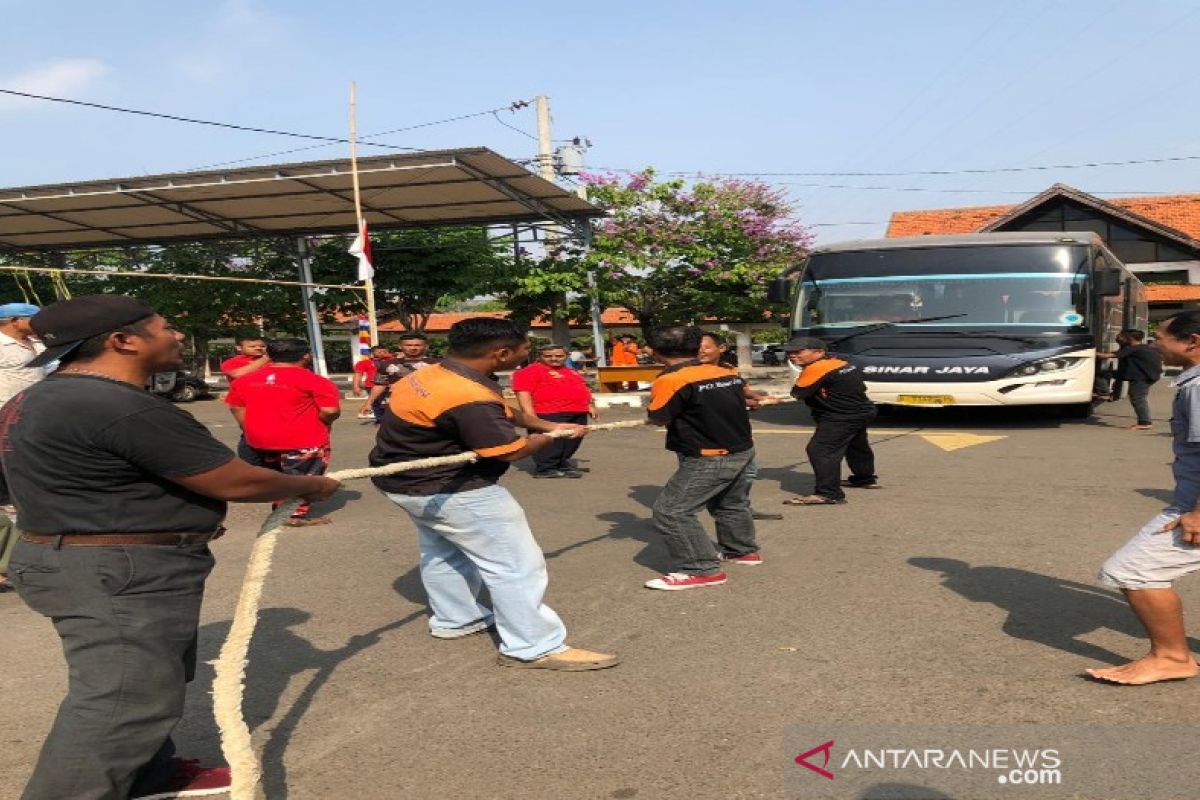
{"points": [[118, 495]]}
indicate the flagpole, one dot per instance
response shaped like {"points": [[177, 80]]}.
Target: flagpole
{"points": [[369, 284]]}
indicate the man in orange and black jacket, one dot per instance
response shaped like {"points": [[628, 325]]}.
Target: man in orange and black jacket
{"points": [[834, 390], [703, 407]]}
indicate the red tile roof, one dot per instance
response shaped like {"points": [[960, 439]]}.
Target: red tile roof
{"points": [[1180, 211]]}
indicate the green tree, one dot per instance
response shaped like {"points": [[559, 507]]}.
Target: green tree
{"points": [[416, 271], [674, 253]]}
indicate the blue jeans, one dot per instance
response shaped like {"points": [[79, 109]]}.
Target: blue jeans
{"points": [[477, 538], [720, 484]]}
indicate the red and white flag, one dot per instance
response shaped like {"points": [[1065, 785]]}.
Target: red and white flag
{"points": [[360, 248]]}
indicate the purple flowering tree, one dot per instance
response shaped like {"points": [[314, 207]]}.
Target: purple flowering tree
{"points": [[678, 253]]}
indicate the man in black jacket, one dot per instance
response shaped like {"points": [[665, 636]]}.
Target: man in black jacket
{"points": [[834, 390], [1140, 366]]}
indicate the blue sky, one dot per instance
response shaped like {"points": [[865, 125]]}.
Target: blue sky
{"points": [[717, 87]]}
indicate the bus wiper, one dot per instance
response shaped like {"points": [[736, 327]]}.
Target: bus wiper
{"points": [[878, 326], [986, 335]]}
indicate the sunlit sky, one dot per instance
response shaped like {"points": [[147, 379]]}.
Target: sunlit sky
{"points": [[712, 87]]}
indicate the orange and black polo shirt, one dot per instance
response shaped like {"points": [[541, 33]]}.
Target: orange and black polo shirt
{"points": [[834, 387], [443, 410], [704, 409]]}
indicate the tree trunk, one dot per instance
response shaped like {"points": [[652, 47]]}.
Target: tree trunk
{"points": [[200, 355], [560, 326]]}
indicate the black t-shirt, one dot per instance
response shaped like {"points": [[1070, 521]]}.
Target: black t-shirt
{"points": [[85, 454], [703, 407], [445, 410], [833, 387], [393, 370], [1139, 362]]}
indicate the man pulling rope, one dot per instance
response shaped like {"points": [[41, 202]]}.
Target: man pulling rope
{"points": [[229, 682]]}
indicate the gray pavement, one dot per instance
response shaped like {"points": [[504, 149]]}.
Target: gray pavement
{"points": [[961, 592]]}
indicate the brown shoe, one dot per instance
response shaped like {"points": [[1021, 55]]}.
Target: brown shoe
{"points": [[570, 660]]}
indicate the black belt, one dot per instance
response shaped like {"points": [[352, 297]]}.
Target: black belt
{"points": [[122, 539]]}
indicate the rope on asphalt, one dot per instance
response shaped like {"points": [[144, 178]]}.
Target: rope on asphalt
{"points": [[230, 681]]}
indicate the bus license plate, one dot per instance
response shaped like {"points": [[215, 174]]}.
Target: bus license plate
{"points": [[925, 400]]}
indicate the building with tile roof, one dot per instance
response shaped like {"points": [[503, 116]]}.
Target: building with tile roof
{"points": [[1158, 237]]}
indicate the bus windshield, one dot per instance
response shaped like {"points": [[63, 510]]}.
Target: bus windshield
{"points": [[980, 287]]}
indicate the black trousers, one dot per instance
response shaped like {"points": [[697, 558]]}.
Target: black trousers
{"points": [[127, 617], [1139, 398], [838, 438], [557, 454]]}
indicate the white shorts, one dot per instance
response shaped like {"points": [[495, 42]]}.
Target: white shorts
{"points": [[1151, 560]]}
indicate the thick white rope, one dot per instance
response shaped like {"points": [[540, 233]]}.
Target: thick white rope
{"points": [[229, 682]]}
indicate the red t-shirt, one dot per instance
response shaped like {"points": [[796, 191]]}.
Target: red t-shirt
{"points": [[367, 368], [281, 407], [554, 391], [236, 362]]}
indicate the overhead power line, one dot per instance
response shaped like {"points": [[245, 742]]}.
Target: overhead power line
{"points": [[914, 173], [190, 120], [516, 105]]}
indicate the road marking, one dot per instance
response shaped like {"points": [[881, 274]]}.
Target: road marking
{"points": [[957, 441]]}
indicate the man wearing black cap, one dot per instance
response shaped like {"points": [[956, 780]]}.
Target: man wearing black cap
{"points": [[834, 390], [119, 493]]}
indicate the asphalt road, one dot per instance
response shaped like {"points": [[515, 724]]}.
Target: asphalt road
{"points": [[962, 592]]}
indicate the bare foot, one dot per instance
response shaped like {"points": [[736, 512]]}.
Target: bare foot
{"points": [[1147, 669], [1139, 427]]}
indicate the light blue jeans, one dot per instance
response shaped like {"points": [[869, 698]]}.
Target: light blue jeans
{"points": [[477, 538]]}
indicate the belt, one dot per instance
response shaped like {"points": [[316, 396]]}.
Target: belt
{"points": [[122, 539]]}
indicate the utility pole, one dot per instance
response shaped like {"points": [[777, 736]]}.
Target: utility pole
{"points": [[560, 326]]}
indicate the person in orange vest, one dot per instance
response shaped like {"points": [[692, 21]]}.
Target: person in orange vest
{"points": [[835, 392], [625, 354]]}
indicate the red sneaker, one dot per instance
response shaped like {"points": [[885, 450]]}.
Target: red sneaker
{"points": [[677, 581], [193, 780], [750, 559]]}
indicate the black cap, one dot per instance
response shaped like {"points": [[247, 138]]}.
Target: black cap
{"points": [[805, 343], [65, 325]]}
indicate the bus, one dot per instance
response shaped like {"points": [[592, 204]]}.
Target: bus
{"points": [[985, 319]]}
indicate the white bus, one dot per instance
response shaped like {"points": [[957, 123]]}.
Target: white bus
{"points": [[975, 320]]}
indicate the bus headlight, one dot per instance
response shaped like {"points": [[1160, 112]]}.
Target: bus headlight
{"points": [[1046, 365]]}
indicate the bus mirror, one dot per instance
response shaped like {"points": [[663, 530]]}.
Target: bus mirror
{"points": [[1107, 282], [779, 291]]}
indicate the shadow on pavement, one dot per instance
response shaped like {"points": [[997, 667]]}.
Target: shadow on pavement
{"points": [[1162, 495], [335, 503], [1041, 608], [277, 655]]}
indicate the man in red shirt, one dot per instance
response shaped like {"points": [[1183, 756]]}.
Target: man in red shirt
{"points": [[364, 376], [285, 412], [250, 354], [550, 390]]}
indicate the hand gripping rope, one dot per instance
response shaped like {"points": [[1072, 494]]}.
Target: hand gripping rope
{"points": [[229, 683]]}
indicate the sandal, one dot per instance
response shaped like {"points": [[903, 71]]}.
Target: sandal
{"points": [[853, 485], [305, 522], [812, 500]]}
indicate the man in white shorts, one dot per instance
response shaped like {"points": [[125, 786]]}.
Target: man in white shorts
{"points": [[1168, 547]]}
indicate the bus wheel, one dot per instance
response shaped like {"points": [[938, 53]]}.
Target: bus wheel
{"points": [[1076, 410]]}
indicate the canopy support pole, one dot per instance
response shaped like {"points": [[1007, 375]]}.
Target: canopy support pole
{"points": [[312, 319]]}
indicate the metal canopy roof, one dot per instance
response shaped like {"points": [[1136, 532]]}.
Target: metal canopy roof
{"points": [[472, 186]]}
